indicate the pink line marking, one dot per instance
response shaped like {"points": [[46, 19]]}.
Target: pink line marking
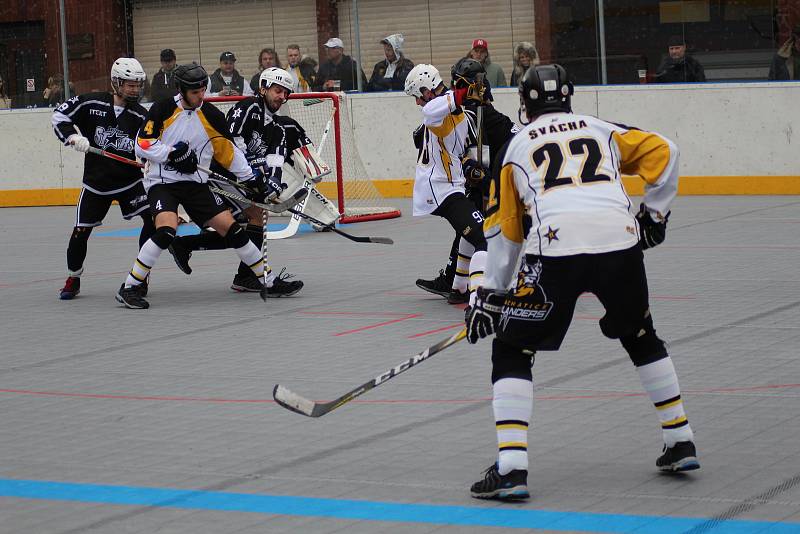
{"points": [[377, 325], [355, 314], [442, 329]]}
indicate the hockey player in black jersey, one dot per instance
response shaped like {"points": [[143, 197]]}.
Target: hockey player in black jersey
{"points": [[177, 137], [108, 121], [269, 141], [496, 129]]}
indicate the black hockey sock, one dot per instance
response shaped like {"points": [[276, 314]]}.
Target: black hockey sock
{"points": [[452, 262], [76, 249], [148, 229], [205, 240]]}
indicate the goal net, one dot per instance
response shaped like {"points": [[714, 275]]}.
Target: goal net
{"points": [[326, 120]]}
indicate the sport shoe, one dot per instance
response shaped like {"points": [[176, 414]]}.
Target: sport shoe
{"points": [[438, 286], [71, 289], [509, 487], [457, 297], [680, 457], [132, 297], [181, 255], [247, 284], [282, 288]]}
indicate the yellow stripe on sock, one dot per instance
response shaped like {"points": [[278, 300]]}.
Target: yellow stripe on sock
{"points": [[677, 420], [512, 426], [505, 444]]}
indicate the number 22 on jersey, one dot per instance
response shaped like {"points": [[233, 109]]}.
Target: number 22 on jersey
{"points": [[558, 162]]}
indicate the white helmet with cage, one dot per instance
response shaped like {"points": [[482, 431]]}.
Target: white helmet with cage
{"points": [[275, 76], [421, 77], [127, 69]]}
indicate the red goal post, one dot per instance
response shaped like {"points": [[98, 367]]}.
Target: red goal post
{"points": [[325, 119]]}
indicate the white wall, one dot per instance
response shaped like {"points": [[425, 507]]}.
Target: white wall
{"points": [[722, 129]]}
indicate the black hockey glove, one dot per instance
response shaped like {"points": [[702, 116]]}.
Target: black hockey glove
{"points": [[651, 233], [182, 159], [419, 136], [481, 319], [268, 187], [473, 171]]}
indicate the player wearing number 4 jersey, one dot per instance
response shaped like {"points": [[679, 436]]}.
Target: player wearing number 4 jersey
{"points": [[178, 133], [108, 121], [559, 200]]}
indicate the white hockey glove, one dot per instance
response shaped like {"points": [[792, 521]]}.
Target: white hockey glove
{"points": [[79, 143], [484, 313], [310, 164]]}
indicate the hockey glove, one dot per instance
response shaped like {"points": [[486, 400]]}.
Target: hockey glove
{"points": [[419, 136], [268, 187], [651, 233], [182, 159], [473, 171], [79, 143], [482, 317]]}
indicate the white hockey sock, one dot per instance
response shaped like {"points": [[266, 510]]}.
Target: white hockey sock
{"points": [[461, 279], [512, 402], [476, 268], [661, 383], [147, 257], [251, 256], [75, 274]]}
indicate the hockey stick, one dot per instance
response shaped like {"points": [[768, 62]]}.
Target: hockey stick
{"points": [[111, 155], [264, 249], [294, 402]]}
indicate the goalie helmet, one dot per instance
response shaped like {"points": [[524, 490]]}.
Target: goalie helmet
{"points": [[275, 76], [545, 89], [465, 72], [422, 77], [188, 77], [127, 69]]}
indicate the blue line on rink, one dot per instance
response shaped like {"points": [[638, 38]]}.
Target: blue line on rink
{"points": [[504, 516], [191, 229]]}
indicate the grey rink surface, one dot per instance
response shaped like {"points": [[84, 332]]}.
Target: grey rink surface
{"points": [[179, 396]]}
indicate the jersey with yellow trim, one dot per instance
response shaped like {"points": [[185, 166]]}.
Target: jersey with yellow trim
{"points": [[439, 173], [205, 131], [561, 176]]}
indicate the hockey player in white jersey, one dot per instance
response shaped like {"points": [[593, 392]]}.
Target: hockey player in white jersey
{"points": [[439, 179], [559, 201]]}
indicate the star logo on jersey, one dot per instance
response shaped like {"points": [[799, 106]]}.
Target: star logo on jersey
{"points": [[114, 138], [551, 235], [237, 113]]}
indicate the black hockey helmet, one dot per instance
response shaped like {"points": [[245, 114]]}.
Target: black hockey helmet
{"points": [[191, 76], [465, 72], [545, 89]]}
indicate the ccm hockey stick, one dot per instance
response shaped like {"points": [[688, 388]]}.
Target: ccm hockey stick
{"points": [[296, 403]]}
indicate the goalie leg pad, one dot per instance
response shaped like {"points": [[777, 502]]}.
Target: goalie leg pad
{"points": [[511, 361], [309, 163], [320, 208]]}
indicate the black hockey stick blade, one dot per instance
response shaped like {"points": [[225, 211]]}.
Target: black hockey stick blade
{"points": [[277, 207], [299, 404], [332, 228]]}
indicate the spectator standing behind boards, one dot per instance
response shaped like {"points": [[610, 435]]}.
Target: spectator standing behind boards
{"points": [[494, 73], [267, 58], [163, 84], [525, 56], [390, 74], [5, 101], [786, 62], [54, 92], [678, 66], [339, 67], [226, 80], [303, 68]]}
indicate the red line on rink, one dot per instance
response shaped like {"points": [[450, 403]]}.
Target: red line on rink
{"points": [[442, 329], [377, 325], [355, 314]]}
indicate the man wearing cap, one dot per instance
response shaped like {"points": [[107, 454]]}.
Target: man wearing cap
{"points": [[494, 72], [163, 84], [390, 74], [226, 80], [339, 67], [679, 66], [786, 62]]}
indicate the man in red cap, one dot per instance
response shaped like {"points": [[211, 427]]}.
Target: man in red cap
{"points": [[494, 73]]}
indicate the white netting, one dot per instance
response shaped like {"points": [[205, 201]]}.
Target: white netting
{"points": [[359, 198]]}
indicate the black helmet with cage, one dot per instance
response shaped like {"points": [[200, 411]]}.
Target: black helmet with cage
{"points": [[188, 77], [545, 89]]}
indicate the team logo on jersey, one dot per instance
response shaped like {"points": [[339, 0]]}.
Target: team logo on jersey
{"points": [[257, 144], [528, 302], [114, 138], [551, 235]]}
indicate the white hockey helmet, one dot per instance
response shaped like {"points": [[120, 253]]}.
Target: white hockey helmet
{"points": [[422, 76], [275, 76], [127, 68]]}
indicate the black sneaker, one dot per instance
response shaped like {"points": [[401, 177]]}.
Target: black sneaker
{"points": [[438, 286], [247, 284], [145, 286], [680, 457], [132, 297], [510, 487], [457, 297], [181, 255], [71, 288], [280, 286]]}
